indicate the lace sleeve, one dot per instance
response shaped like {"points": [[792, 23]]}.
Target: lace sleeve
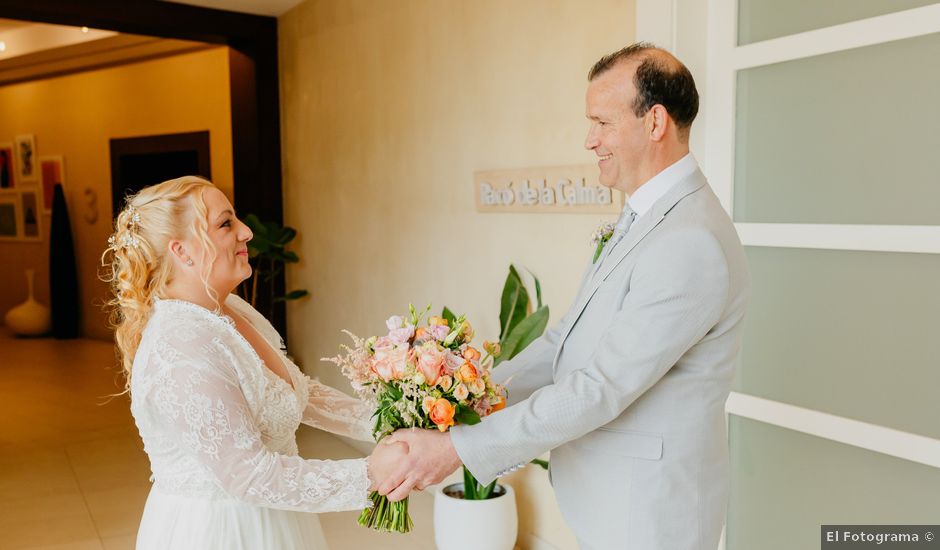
{"points": [[201, 406], [332, 410]]}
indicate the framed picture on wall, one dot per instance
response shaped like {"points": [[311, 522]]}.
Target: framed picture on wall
{"points": [[7, 179], [51, 172], [9, 216], [30, 214], [25, 152]]}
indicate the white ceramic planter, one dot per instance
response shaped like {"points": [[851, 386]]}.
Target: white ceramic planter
{"points": [[29, 318], [489, 524]]}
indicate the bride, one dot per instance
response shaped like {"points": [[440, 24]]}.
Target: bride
{"points": [[216, 400]]}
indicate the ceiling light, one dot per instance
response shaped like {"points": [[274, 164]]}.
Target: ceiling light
{"points": [[3, 46], [85, 29]]}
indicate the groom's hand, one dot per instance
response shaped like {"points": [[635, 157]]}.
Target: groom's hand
{"points": [[384, 461], [431, 457]]}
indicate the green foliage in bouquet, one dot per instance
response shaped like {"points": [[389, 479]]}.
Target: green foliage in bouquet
{"points": [[268, 254], [519, 326]]}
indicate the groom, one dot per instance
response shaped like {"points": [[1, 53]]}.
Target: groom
{"points": [[628, 389]]}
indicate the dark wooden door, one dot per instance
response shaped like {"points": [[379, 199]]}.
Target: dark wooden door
{"points": [[141, 161]]}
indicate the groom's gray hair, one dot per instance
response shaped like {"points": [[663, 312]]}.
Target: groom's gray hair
{"points": [[660, 79]]}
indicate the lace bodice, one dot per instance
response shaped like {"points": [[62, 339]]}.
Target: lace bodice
{"points": [[216, 422]]}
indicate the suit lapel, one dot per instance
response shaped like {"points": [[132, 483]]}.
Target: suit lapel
{"points": [[637, 233]]}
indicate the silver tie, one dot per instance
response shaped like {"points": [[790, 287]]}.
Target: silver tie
{"points": [[620, 229], [623, 225]]}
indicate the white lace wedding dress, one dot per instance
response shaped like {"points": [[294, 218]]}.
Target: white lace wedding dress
{"points": [[219, 429]]}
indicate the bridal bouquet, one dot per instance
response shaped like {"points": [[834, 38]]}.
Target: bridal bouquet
{"points": [[419, 375]]}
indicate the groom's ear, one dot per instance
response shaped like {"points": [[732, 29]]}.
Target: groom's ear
{"points": [[657, 121]]}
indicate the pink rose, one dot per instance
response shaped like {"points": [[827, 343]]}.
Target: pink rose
{"points": [[382, 343], [389, 361], [430, 361]]}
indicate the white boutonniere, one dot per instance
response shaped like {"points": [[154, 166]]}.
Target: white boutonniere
{"points": [[600, 237]]}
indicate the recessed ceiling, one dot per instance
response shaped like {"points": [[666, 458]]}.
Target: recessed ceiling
{"points": [[10, 24], [272, 8], [23, 37]]}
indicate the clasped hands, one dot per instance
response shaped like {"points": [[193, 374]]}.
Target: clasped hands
{"points": [[409, 459]]}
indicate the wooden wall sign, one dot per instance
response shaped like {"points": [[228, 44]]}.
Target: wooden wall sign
{"points": [[556, 189]]}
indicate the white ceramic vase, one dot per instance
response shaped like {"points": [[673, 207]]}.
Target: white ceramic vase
{"points": [[29, 318], [475, 524]]}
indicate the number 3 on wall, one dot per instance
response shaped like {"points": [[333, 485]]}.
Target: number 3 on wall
{"points": [[91, 206]]}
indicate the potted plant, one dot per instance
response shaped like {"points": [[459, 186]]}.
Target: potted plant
{"points": [[460, 508], [268, 254]]}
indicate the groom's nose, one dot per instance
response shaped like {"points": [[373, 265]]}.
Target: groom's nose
{"points": [[591, 141]]}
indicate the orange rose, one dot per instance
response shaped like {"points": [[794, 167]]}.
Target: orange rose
{"points": [[467, 372], [419, 333], [497, 404], [442, 414], [438, 321], [471, 354]]}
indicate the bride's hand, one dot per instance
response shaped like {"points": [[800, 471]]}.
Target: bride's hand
{"points": [[384, 459]]}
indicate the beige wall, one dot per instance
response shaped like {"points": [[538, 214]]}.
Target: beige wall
{"points": [[387, 112], [75, 116]]}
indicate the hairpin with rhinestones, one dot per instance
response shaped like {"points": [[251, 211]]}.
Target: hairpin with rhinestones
{"points": [[130, 238]]}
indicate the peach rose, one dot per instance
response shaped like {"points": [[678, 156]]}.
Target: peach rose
{"points": [[461, 392], [477, 387], [467, 373], [427, 404], [438, 321], [430, 361], [389, 361], [445, 382], [442, 414]]}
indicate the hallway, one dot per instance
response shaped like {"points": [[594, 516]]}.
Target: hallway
{"points": [[73, 474]]}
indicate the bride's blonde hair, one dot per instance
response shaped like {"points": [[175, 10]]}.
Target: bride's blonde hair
{"points": [[137, 263]]}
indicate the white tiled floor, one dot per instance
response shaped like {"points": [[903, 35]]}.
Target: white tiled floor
{"points": [[73, 474]]}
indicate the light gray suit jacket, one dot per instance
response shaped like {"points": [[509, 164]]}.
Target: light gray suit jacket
{"points": [[628, 390]]}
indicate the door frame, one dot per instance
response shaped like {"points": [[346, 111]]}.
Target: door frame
{"points": [[253, 82]]}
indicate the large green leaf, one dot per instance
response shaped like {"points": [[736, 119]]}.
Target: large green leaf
{"points": [[286, 236], [538, 290], [514, 303], [449, 316], [524, 334], [465, 415], [288, 256], [469, 485], [255, 225]]}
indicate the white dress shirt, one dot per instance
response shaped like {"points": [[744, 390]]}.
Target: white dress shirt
{"points": [[647, 194]]}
